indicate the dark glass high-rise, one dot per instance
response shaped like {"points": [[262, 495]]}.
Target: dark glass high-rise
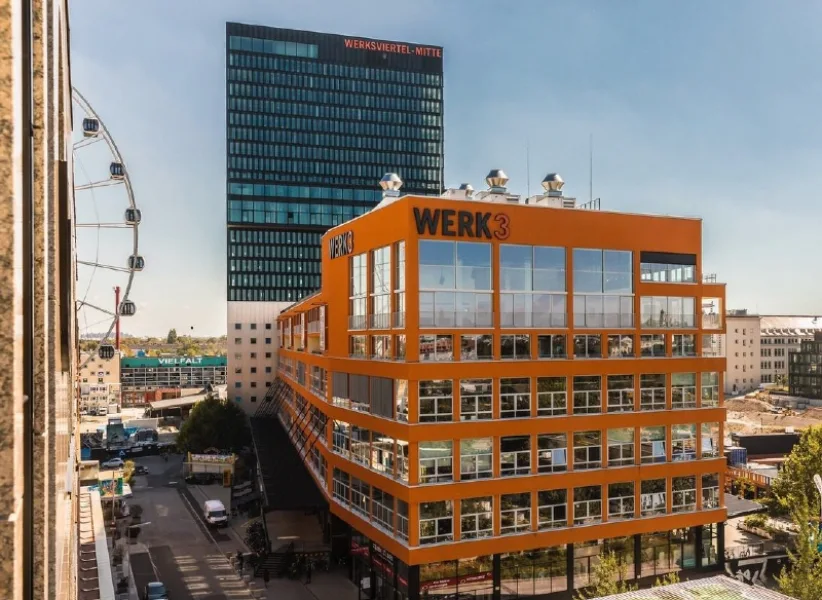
{"points": [[313, 121]]}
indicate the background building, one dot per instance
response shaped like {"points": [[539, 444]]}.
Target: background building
{"points": [[99, 380], [252, 350], [184, 372], [313, 121], [494, 377], [805, 369], [742, 350], [781, 335], [37, 305]]}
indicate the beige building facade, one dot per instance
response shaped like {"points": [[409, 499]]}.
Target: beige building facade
{"points": [[99, 381], [781, 335], [252, 351], [37, 311], [742, 351]]}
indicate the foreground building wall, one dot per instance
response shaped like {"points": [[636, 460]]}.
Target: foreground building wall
{"points": [[487, 390], [37, 326]]}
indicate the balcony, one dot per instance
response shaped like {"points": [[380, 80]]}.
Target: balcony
{"points": [[668, 321], [356, 322], [398, 319], [604, 320], [456, 319], [533, 319], [379, 321]]}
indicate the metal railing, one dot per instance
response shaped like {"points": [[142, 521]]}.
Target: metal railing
{"points": [[398, 319], [604, 319], [449, 318], [711, 321], [379, 321], [758, 479], [314, 326], [357, 321]]}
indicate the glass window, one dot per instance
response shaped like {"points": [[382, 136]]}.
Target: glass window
{"points": [[587, 505], [621, 447], [587, 394], [710, 390], [588, 346], [436, 400], [358, 346], [436, 347], [515, 455], [436, 460], [358, 290], [515, 397], [683, 442], [476, 518], [684, 345], [587, 271], [620, 393], [551, 346], [476, 399], [652, 444], [552, 396], [653, 345], [652, 498], [710, 491], [476, 347], [683, 494], [553, 509], [552, 452], [436, 522], [621, 346], [517, 347], [710, 440], [665, 311], [401, 399], [515, 513], [621, 501], [652, 391], [683, 390], [587, 450], [476, 458]]}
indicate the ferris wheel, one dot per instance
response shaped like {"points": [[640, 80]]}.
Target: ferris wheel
{"points": [[106, 229]]}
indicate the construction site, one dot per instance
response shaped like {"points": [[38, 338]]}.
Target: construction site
{"points": [[768, 412]]}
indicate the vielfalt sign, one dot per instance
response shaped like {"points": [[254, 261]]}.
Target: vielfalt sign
{"points": [[392, 48]]}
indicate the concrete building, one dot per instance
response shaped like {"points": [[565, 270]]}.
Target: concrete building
{"points": [[742, 350], [781, 335], [99, 381], [38, 487], [252, 350], [489, 400]]}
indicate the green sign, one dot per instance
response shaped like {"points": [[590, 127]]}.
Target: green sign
{"points": [[173, 362]]}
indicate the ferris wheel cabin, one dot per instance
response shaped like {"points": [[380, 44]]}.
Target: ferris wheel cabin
{"points": [[127, 308], [116, 170], [133, 216], [106, 351], [136, 263], [91, 127]]}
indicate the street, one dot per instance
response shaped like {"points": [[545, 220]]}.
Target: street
{"points": [[174, 546]]}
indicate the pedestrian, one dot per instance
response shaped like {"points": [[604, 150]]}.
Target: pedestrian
{"points": [[240, 561], [266, 577], [308, 572]]}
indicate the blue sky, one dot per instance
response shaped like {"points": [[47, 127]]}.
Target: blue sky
{"points": [[697, 108]]}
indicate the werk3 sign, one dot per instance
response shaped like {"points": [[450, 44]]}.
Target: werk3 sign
{"points": [[462, 223]]}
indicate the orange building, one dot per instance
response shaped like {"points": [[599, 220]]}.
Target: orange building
{"points": [[495, 390]]}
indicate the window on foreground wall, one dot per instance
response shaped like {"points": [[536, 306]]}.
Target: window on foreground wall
{"points": [[551, 346], [683, 390], [515, 397], [552, 396], [516, 347], [652, 391], [587, 505], [588, 346], [587, 450], [710, 390], [532, 280], [476, 347], [683, 494], [652, 498], [436, 462], [652, 444], [621, 501], [476, 518], [710, 491], [621, 447], [587, 394], [603, 288], [436, 399], [436, 347], [436, 522], [620, 346], [358, 291], [683, 442], [515, 455], [684, 344], [620, 393], [652, 346], [552, 453], [476, 458], [381, 288], [553, 509], [668, 311], [476, 399], [515, 513], [710, 440]]}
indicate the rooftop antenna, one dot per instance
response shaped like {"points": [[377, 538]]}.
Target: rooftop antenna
{"points": [[591, 167]]}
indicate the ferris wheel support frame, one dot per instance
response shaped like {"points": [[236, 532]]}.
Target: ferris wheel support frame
{"points": [[104, 134]]}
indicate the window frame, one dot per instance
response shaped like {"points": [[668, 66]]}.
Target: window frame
{"points": [[517, 404]]}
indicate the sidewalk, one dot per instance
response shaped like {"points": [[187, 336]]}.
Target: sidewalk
{"points": [[236, 525], [323, 586]]}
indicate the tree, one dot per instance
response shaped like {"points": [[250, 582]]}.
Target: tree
{"points": [[803, 580], [795, 480], [609, 578], [214, 423], [172, 336]]}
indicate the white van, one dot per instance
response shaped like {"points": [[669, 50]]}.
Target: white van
{"points": [[214, 513]]}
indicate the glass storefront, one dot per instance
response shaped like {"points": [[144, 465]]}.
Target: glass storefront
{"points": [[534, 573], [465, 579]]}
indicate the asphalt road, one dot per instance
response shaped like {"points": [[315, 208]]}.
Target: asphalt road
{"points": [[187, 557]]}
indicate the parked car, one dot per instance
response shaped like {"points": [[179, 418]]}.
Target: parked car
{"points": [[113, 463], [140, 470], [155, 590]]}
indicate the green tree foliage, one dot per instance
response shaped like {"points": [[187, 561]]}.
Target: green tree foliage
{"points": [[795, 481], [668, 579], [609, 577], [803, 580], [214, 423], [172, 336]]}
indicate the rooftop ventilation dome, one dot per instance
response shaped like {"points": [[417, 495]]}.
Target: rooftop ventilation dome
{"points": [[552, 182], [467, 187], [391, 182], [496, 178]]}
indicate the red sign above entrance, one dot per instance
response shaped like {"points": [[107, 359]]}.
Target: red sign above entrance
{"points": [[393, 48]]}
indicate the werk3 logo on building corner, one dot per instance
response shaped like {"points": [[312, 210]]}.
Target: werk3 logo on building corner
{"points": [[341, 245], [462, 223]]}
